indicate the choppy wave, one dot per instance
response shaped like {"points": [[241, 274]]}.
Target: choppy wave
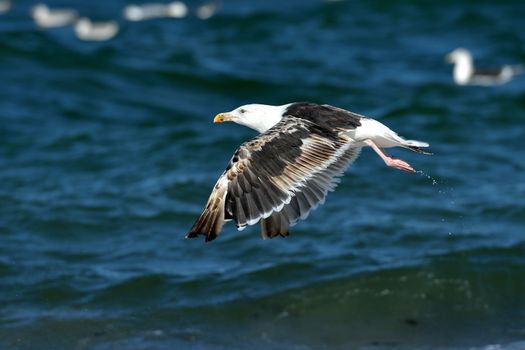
{"points": [[443, 300]]}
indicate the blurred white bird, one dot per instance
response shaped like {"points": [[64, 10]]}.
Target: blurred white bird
{"points": [[85, 29], [47, 18], [176, 9], [144, 12], [5, 5], [206, 11], [466, 74]]}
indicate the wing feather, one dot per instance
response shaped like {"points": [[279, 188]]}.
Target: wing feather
{"points": [[319, 186], [279, 177]]}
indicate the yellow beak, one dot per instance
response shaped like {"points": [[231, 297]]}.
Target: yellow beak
{"points": [[222, 117]]}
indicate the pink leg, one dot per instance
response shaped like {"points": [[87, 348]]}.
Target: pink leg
{"points": [[392, 162]]}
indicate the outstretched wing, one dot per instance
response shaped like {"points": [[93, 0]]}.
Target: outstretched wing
{"points": [[311, 195], [279, 177]]}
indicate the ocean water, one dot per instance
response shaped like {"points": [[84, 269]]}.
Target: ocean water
{"points": [[108, 154]]}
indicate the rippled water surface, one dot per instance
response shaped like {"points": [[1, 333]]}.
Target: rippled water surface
{"points": [[108, 153]]}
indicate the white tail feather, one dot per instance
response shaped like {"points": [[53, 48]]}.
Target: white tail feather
{"points": [[415, 143], [382, 135]]}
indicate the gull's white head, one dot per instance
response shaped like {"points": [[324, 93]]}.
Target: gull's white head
{"points": [[255, 116], [463, 65], [40, 10], [84, 25], [459, 55]]}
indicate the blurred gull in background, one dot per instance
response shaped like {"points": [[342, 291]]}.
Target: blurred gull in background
{"points": [[466, 74], [85, 29], [176, 9], [47, 18], [5, 5], [144, 12], [207, 10]]}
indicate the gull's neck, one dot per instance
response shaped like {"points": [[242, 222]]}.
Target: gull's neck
{"points": [[463, 69]]}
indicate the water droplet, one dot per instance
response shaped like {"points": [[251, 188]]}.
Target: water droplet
{"points": [[434, 181]]}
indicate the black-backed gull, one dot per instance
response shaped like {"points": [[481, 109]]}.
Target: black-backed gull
{"points": [[466, 74], [279, 176]]}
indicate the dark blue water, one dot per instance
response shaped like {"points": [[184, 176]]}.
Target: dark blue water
{"points": [[108, 153]]}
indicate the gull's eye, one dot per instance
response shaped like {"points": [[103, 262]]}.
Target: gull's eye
{"points": [[242, 110]]}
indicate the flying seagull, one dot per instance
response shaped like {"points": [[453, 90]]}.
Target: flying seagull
{"points": [[279, 176], [466, 74]]}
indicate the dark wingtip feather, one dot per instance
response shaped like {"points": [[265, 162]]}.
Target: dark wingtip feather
{"points": [[194, 234], [208, 237], [274, 225], [207, 226], [210, 222], [191, 234], [419, 150]]}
